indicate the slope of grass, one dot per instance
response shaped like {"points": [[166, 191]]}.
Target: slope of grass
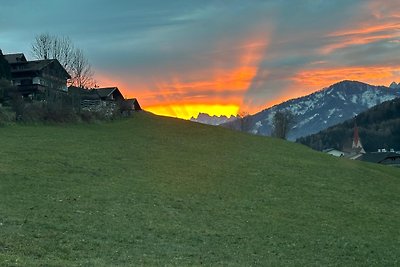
{"points": [[158, 191]]}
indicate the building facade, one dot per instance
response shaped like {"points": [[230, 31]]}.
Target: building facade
{"points": [[38, 79]]}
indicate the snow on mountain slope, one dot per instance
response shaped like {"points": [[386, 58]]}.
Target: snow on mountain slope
{"points": [[322, 109], [212, 120]]}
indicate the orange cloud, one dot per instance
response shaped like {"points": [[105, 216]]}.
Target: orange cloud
{"points": [[308, 81], [362, 30], [217, 90], [360, 36], [357, 41], [319, 78], [384, 9]]}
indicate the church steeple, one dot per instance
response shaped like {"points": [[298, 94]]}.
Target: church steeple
{"points": [[356, 141]]}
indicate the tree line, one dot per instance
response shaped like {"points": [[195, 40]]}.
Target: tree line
{"points": [[378, 127], [282, 122]]}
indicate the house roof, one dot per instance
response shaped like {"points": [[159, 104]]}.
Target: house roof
{"points": [[378, 157], [85, 94], [331, 149], [107, 91], [131, 100], [15, 58], [37, 65], [34, 65], [134, 103]]}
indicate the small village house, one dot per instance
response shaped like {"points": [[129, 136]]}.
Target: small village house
{"points": [[357, 152], [46, 81], [132, 104], [110, 94], [38, 79], [106, 99], [334, 152], [386, 158]]}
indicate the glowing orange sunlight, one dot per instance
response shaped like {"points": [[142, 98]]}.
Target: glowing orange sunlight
{"points": [[319, 78], [217, 91], [186, 111], [216, 88]]}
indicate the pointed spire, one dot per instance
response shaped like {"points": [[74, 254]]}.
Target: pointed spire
{"points": [[356, 140]]}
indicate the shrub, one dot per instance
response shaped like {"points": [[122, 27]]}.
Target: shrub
{"points": [[55, 113], [32, 112], [6, 116]]}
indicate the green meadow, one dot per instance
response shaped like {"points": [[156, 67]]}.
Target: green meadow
{"points": [[150, 190]]}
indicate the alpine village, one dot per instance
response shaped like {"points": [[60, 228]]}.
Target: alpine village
{"points": [[38, 90]]}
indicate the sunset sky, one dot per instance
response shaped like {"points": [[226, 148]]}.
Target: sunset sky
{"points": [[181, 57]]}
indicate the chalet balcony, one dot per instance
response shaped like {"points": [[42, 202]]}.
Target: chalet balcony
{"points": [[30, 88]]}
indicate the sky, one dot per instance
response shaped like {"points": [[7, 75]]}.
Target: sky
{"points": [[222, 57]]}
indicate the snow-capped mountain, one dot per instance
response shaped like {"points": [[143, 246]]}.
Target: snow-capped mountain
{"points": [[212, 120], [322, 109], [394, 85]]}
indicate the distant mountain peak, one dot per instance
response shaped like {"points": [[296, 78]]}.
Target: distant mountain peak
{"points": [[212, 120], [322, 109], [394, 85]]}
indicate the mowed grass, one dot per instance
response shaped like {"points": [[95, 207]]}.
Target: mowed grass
{"points": [[156, 191]]}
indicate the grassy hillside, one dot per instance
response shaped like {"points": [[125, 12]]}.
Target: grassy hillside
{"points": [[158, 191]]}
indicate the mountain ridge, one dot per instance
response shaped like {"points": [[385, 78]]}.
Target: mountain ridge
{"points": [[212, 120], [321, 109]]}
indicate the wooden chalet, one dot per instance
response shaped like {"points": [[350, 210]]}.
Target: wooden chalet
{"points": [[102, 98], [133, 104], [109, 94], [37, 79], [84, 99]]}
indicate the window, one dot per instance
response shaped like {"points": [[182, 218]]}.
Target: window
{"points": [[36, 80], [26, 82]]}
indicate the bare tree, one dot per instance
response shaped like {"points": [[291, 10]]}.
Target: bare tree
{"points": [[244, 121], [42, 46], [46, 46], [81, 71], [63, 50], [281, 123]]}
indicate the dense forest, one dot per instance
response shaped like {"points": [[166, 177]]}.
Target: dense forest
{"points": [[379, 127]]}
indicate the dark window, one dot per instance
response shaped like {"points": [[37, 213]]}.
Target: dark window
{"points": [[26, 82]]}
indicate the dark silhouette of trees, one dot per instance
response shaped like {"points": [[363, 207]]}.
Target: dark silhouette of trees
{"points": [[244, 121], [81, 72], [5, 72], [281, 123], [46, 46]]}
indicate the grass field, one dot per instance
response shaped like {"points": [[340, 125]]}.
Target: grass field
{"points": [[156, 191]]}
